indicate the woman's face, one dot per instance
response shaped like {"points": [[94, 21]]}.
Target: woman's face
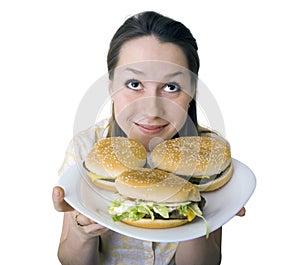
{"points": [[151, 90]]}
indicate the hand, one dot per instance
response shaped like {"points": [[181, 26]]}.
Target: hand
{"points": [[84, 224], [59, 203], [87, 226], [241, 212]]}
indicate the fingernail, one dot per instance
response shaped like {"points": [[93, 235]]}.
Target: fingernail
{"points": [[56, 193]]}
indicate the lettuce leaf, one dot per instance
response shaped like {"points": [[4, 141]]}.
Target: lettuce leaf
{"points": [[138, 209], [122, 208]]}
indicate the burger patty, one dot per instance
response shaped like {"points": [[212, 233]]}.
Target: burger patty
{"points": [[198, 181]]}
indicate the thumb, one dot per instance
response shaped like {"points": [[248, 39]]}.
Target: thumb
{"points": [[59, 203]]}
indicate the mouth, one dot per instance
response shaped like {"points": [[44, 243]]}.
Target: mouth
{"points": [[150, 128]]}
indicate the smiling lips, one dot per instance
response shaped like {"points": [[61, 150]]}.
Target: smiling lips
{"points": [[150, 129]]}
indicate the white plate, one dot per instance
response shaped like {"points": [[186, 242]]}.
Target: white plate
{"points": [[221, 205]]}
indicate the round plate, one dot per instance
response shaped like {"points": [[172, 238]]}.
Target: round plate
{"points": [[221, 205]]}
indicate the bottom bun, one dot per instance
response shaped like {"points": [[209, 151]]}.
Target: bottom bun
{"points": [[156, 223], [102, 183], [105, 184], [218, 182]]}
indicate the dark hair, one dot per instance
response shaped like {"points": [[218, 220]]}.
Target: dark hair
{"points": [[164, 29]]}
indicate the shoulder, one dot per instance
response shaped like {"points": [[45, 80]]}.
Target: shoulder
{"points": [[95, 132], [82, 143]]}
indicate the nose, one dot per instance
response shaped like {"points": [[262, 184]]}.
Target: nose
{"points": [[152, 103]]}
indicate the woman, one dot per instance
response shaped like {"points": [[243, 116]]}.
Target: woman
{"points": [[153, 66]]}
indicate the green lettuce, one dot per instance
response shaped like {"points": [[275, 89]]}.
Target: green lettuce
{"points": [[122, 208]]}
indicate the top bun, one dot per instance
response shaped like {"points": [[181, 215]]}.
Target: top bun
{"points": [[192, 155], [157, 186], [111, 156]]}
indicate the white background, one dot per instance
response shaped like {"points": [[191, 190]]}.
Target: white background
{"points": [[51, 52]]}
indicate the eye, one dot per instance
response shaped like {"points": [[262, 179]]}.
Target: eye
{"points": [[172, 87], [134, 84]]}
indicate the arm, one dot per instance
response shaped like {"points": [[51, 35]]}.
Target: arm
{"points": [[76, 245], [79, 242], [200, 251]]}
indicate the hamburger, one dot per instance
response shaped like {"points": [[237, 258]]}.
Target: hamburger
{"points": [[109, 157], [204, 161], [152, 198]]}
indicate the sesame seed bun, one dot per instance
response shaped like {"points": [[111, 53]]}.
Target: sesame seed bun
{"points": [[217, 183], [111, 156], [156, 223], [156, 185], [196, 157]]}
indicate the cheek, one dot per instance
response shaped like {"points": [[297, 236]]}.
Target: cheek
{"points": [[119, 102], [177, 116], [177, 113], [123, 109]]}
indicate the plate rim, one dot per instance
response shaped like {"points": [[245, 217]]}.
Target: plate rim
{"points": [[73, 198]]}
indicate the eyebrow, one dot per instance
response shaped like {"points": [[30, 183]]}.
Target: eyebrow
{"points": [[138, 72]]}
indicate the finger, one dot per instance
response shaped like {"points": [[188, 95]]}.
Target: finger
{"points": [[58, 200], [95, 229], [88, 226], [82, 220], [242, 212]]}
